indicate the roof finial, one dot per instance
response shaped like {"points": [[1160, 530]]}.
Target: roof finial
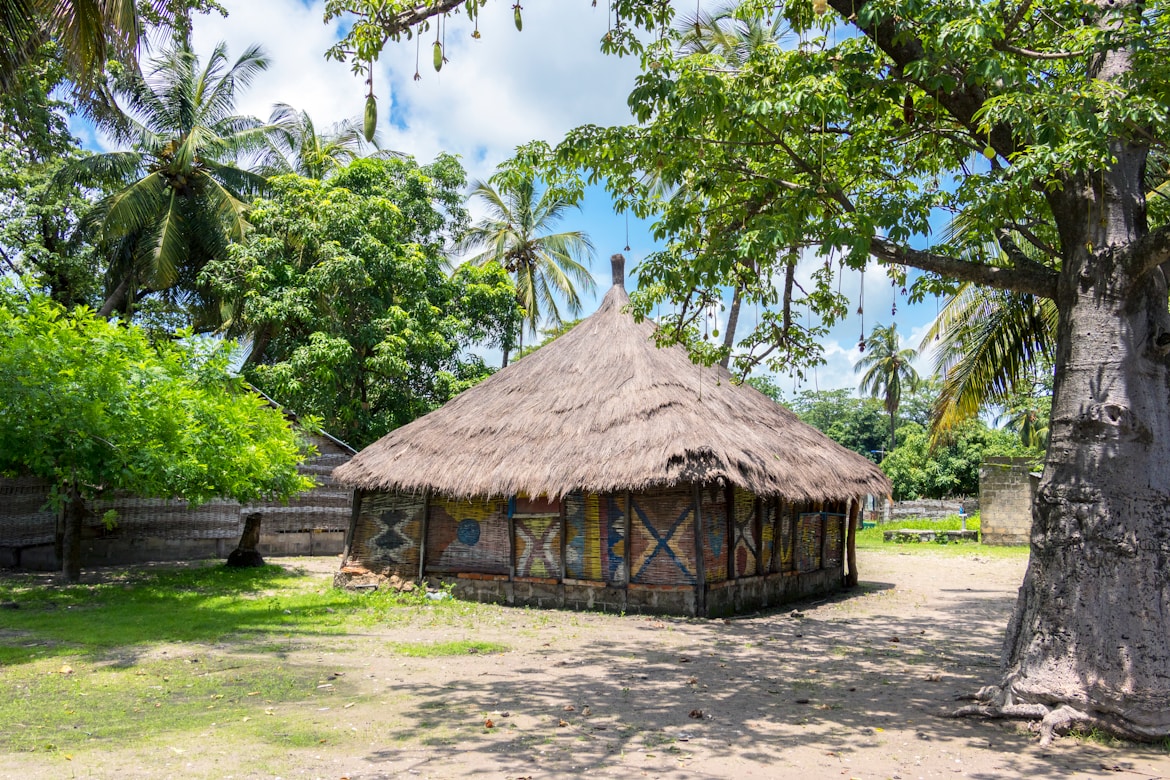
{"points": [[618, 262]]}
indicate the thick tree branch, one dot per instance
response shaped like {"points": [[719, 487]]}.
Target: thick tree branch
{"points": [[1034, 278], [395, 25], [1149, 251], [902, 47]]}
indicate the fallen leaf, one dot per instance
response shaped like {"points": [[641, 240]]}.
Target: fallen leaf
{"points": [[562, 723], [488, 723], [586, 711], [696, 714], [692, 681], [66, 669], [569, 708]]}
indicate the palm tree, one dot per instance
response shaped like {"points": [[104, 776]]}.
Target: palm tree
{"points": [[887, 371], [544, 265], [989, 345], [179, 197], [294, 146], [89, 34]]}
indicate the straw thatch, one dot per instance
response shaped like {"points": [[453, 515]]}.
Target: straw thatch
{"points": [[602, 409]]}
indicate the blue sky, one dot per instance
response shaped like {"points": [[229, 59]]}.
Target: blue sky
{"points": [[495, 93]]}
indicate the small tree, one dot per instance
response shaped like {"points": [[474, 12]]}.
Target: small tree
{"points": [[94, 406]]}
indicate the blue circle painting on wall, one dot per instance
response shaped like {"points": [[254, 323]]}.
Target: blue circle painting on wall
{"points": [[468, 531]]}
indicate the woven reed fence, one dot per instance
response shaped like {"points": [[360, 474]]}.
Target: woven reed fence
{"points": [[26, 521]]}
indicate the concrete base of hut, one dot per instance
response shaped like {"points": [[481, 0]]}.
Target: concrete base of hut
{"points": [[722, 599]]}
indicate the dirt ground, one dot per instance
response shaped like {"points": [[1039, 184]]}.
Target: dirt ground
{"points": [[851, 687]]}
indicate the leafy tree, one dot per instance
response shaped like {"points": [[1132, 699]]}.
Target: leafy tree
{"points": [[340, 290], [855, 423], [920, 468], [178, 195], [515, 233], [295, 146], [887, 371], [39, 220], [95, 406], [1040, 120]]}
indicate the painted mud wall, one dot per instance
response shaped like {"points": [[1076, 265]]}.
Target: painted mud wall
{"points": [[631, 551]]}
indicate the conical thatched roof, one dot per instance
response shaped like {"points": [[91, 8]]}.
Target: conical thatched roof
{"points": [[603, 409]]}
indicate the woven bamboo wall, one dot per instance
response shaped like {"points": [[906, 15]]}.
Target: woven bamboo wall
{"points": [[715, 534], [768, 535], [808, 541], [662, 538], [468, 536], [745, 546], [25, 520], [538, 545], [595, 537], [387, 531]]}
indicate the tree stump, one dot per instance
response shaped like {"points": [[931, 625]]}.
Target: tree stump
{"points": [[245, 555]]}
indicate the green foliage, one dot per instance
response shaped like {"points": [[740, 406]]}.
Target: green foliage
{"points": [[951, 467], [176, 196], [516, 233], [858, 424], [39, 237], [340, 290], [95, 406]]}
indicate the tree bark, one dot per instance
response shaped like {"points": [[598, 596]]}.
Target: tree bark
{"points": [[732, 324], [1088, 639], [246, 555], [71, 540]]}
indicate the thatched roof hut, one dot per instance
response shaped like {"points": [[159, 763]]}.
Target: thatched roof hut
{"points": [[603, 462], [603, 409]]}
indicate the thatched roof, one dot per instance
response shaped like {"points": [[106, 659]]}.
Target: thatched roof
{"points": [[603, 409]]}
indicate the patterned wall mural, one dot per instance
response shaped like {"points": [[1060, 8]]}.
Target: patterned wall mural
{"points": [[768, 540], [810, 526], [538, 545], [468, 536], [662, 538], [715, 541], [388, 528], [744, 546], [595, 537]]}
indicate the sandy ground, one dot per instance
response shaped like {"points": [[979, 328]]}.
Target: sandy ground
{"points": [[851, 687]]}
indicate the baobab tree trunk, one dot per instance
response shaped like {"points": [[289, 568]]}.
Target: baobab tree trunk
{"points": [[1090, 638]]}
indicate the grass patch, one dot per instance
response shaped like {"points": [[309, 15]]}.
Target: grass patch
{"points": [[203, 605], [872, 538], [436, 649], [48, 709], [166, 654]]}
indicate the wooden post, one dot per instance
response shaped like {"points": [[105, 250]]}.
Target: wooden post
{"points": [[564, 531], [732, 529], [851, 544], [422, 542], [627, 559], [758, 531], [355, 512], [511, 539], [700, 574]]}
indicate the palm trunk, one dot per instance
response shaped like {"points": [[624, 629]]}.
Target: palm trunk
{"points": [[893, 426], [1088, 640]]}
